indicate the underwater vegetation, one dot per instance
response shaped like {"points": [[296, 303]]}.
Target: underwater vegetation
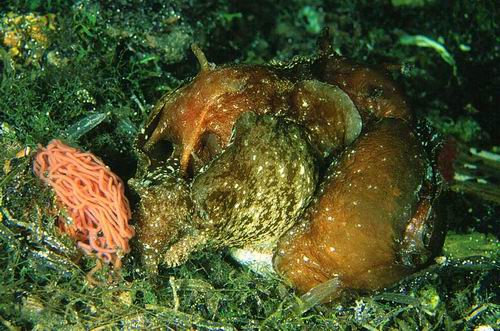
{"points": [[26, 36], [92, 81]]}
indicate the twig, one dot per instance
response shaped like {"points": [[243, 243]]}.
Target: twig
{"points": [[174, 293]]}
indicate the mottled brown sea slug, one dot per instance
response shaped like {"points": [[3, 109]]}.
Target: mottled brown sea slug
{"points": [[311, 168]]}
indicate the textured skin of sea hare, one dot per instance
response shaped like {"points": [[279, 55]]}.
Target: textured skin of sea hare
{"points": [[198, 118], [331, 118], [361, 215], [372, 91], [247, 196], [164, 214], [209, 106], [257, 188]]}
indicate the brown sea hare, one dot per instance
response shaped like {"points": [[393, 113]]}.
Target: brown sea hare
{"points": [[249, 195], [198, 118], [355, 229], [258, 187], [315, 162]]}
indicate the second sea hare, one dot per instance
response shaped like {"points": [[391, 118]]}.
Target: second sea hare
{"points": [[356, 229]]}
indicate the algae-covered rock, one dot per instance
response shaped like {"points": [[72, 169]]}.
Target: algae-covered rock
{"points": [[458, 245]]}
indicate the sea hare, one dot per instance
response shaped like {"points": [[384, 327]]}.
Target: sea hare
{"points": [[358, 224], [198, 118], [268, 172], [312, 167]]}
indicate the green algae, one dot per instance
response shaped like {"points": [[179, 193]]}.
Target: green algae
{"points": [[423, 41], [458, 245]]}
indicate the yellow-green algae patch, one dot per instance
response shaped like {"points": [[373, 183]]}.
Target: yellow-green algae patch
{"points": [[462, 245]]}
